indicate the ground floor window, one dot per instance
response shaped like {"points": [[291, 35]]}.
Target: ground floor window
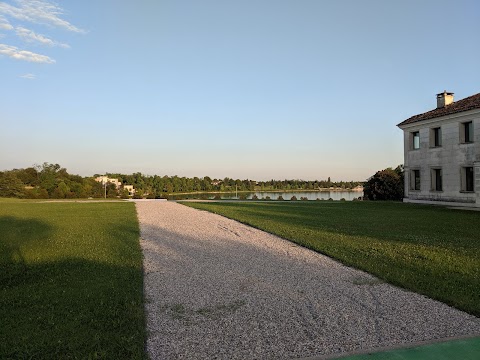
{"points": [[467, 179], [415, 180], [437, 179]]}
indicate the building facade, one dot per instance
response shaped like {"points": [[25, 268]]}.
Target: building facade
{"points": [[106, 179], [130, 189], [442, 153]]}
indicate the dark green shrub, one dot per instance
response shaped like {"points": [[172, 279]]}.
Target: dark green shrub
{"points": [[385, 185]]}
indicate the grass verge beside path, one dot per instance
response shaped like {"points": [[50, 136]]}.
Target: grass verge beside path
{"points": [[71, 281], [430, 250]]}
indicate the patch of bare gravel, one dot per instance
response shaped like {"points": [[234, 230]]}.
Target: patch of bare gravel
{"points": [[217, 289]]}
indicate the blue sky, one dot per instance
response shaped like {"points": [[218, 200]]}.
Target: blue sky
{"points": [[245, 89]]}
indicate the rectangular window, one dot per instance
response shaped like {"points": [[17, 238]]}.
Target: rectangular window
{"points": [[415, 140], [467, 179], [415, 180], [466, 132], [437, 179], [436, 137]]}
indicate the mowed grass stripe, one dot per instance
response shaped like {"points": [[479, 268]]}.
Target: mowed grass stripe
{"points": [[71, 281], [430, 250]]}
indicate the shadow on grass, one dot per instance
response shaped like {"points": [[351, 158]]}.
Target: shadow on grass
{"points": [[68, 308], [16, 235], [72, 309], [16, 232]]}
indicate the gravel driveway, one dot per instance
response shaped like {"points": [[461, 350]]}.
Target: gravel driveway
{"points": [[217, 289]]}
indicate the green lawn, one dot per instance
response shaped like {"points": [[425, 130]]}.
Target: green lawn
{"points": [[430, 250], [71, 282]]}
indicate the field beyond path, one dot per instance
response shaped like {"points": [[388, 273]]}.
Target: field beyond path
{"points": [[216, 288]]}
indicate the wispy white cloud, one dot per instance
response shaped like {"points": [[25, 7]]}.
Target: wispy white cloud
{"points": [[15, 53], [15, 13], [28, 76], [38, 12], [4, 24], [30, 36]]}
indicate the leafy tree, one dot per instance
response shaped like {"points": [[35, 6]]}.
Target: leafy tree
{"points": [[28, 176], [51, 180], [385, 185], [124, 194], [111, 191], [78, 190], [11, 186]]}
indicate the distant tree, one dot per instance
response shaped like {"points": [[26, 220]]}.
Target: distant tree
{"points": [[48, 175], [112, 191], [62, 186], [93, 188], [28, 176], [10, 185], [151, 195], [138, 194], [169, 188], [42, 194], [61, 191], [57, 194], [78, 190], [385, 185], [124, 194]]}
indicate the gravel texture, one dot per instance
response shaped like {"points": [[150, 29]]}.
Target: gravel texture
{"points": [[218, 289]]}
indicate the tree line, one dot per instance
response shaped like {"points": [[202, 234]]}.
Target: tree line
{"points": [[53, 181]]}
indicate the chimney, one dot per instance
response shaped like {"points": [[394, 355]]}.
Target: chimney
{"points": [[444, 99]]}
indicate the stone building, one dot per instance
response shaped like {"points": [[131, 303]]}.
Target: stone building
{"points": [[106, 179], [442, 153], [130, 189]]}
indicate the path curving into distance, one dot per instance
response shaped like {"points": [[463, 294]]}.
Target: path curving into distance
{"points": [[219, 289]]}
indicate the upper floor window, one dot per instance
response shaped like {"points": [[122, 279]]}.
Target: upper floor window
{"points": [[466, 132], [436, 137], [415, 141]]}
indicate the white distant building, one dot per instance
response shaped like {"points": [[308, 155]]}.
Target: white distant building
{"points": [[106, 179], [130, 189], [442, 153]]}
